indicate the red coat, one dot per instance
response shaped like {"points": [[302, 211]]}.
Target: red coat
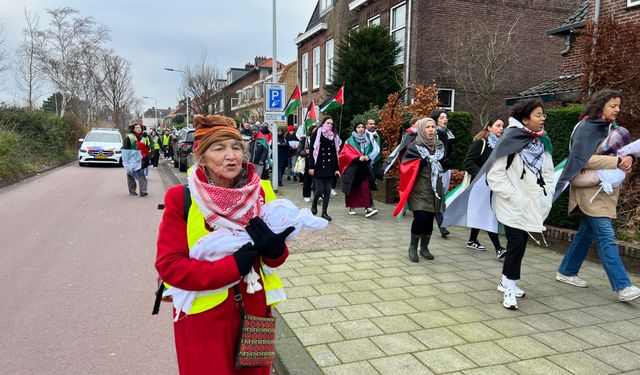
{"points": [[205, 342]]}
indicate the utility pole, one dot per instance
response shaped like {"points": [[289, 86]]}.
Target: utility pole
{"points": [[274, 127]]}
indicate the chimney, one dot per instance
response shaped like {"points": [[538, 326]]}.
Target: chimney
{"points": [[259, 60]]}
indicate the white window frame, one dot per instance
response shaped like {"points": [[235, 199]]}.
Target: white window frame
{"points": [[373, 19], [325, 6], [392, 30], [452, 107], [632, 3], [315, 68], [328, 61], [304, 80]]}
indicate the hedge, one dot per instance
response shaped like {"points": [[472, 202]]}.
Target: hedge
{"points": [[461, 125], [559, 125], [31, 140]]}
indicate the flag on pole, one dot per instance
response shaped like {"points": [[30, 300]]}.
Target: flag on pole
{"points": [[293, 103], [309, 119], [336, 101]]}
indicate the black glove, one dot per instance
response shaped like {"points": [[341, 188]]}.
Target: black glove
{"points": [[244, 258], [266, 242]]}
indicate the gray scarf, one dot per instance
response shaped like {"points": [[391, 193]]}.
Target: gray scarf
{"points": [[362, 140], [492, 139]]}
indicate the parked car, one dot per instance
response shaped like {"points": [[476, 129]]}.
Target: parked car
{"points": [[183, 148], [101, 146]]}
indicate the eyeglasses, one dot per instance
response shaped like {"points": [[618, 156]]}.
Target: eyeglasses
{"points": [[541, 116]]}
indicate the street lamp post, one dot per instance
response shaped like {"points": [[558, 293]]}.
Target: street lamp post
{"points": [[187, 109], [274, 79], [155, 108]]}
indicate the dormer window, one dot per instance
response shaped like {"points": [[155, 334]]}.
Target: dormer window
{"points": [[325, 6]]}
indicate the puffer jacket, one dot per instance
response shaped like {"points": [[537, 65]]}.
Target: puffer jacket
{"points": [[520, 202]]}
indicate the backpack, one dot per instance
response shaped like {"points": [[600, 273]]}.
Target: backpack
{"points": [[160, 288]]}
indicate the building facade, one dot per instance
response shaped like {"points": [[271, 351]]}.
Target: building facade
{"points": [[428, 31]]}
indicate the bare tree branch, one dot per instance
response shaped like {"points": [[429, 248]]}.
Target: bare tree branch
{"points": [[65, 43], [479, 63], [29, 78], [201, 81], [4, 64], [117, 87]]}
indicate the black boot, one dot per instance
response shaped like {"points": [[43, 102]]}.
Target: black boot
{"points": [[413, 247], [314, 204], [424, 246], [325, 207]]}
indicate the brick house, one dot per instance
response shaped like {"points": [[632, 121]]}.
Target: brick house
{"points": [[249, 102], [426, 30], [238, 97], [566, 88]]}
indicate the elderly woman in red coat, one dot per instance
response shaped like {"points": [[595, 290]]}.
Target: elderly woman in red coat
{"points": [[224, 192]]}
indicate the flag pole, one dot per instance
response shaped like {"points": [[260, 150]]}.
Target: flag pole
{"points": [[341, 105]]}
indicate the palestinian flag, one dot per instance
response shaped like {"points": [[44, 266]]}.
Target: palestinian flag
{"points": [[335, 102], [309, 119], [293, 103], [350, 152]]}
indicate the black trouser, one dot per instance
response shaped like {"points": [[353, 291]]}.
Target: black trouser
{"points": [[307, 181], [473, 236], [155, 157], [323, 189], [168, 152], [334, 183], [516, 245], [422, 222]]}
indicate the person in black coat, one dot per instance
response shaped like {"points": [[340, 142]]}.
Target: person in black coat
{"points": [[446, 136], [323, 164], [304, 150], [479, 151], [283, 154]]}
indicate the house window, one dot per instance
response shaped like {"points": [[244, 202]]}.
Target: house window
{"points": [[316, 68], [221, 105], [305, 72], [631, 3], [325, 6], [398, 22], [446, 99], [328, 66], [374, 21]]}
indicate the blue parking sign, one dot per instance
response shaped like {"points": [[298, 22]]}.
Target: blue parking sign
{"points": [[274, 98]]}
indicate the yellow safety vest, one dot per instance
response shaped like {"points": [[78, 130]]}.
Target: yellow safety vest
{"points": [[273, 287], [166, 139], [133, 140]]}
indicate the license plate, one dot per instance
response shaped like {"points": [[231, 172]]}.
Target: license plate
{"points": [[101, 156]]}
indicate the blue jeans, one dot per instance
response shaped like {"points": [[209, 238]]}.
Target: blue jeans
{"points": [[600, 230]]}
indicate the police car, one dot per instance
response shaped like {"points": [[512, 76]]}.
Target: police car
{"points": [[101, 146]]}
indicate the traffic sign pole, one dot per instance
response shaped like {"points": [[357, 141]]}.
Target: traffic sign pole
{"points": [[274, 102]]}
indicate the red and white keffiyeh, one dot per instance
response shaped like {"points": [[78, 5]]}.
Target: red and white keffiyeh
{"points": [[226, 207]]}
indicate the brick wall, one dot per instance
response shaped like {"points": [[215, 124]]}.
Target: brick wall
{"points": [[445, 21], [619, 10], [307, 46]]}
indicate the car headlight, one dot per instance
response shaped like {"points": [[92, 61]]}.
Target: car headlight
{"points": [[83, 150], [118, 151]]}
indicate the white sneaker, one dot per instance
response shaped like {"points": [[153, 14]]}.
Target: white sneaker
{"points": [[571, 280], [475, 245], [334, 192], [629, 293], [307, 199], [510, 302], [370, 212], [519, 292], [352, 211]]}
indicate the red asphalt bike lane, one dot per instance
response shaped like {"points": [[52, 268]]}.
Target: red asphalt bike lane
{"points": [[77, 276]]}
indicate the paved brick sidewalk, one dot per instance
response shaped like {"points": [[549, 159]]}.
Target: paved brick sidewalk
{"points": [[358, 306]]}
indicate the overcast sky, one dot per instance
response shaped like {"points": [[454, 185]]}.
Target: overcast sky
{"points": [[157, 34]]}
